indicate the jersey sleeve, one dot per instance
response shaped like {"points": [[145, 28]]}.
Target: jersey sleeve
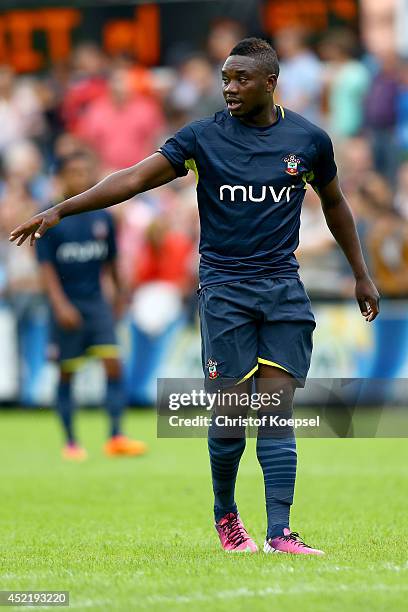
{"points": [[179, 149], [45, 249], [325, 168]]}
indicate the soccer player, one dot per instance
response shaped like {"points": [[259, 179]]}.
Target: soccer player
{"points": [[252, 162], [73, 257]]}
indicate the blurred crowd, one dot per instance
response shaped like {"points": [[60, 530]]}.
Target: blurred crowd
{"points": [[122, 111]]}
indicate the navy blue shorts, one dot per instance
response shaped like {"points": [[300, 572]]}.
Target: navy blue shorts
{"points": [[246, 323], [95, 338]]}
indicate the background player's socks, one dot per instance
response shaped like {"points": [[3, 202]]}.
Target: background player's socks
{"points": [[225, 455], [65, 408], [118, 444], [115, 404], [277, 457]]}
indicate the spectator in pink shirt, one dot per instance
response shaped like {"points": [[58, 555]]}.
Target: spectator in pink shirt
{"points": [[88, 82], [124, 126]]}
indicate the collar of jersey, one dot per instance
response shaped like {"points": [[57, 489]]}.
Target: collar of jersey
{"points": [[261, 129]]}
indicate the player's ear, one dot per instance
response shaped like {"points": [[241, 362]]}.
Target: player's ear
{"points": [[271, 82]]}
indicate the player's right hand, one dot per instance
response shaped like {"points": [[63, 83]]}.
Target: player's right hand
{"points": [[35, 227], [68, 316]]}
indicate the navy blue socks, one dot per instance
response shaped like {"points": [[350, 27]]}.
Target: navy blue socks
{"points": [[277, 457], [115, 404], [225, 455], [276, 452], [65, 408]]}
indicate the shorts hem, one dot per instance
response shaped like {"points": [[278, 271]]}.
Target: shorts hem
{"points": [[98, 351], [72, 364], [301, 379], [273, 364], [103, 351], [248, 374]]}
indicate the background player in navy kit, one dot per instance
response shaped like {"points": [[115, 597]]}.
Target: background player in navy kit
{"points": [[73, 257], [252, 162]]}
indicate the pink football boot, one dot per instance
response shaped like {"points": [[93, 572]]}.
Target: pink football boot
{"points": [[289, 542], [233, 535], [73, 452]]}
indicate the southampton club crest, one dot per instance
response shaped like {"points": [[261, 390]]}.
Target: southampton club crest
{"points": [[292, 162], [212, 368]]}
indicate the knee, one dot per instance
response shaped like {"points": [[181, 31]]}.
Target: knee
{"points": [[65, 377], [113, 368]]}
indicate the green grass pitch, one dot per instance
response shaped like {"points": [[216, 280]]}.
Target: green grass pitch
{"points": [[137, 534]]}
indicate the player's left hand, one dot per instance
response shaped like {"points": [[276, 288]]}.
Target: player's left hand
{"points": [[367, 297], [35, 227]]}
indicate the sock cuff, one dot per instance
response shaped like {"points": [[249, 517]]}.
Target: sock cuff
{"points": [[219, 512]]}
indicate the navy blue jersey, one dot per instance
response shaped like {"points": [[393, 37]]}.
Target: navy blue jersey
{"points": [[78, 247], [251, 183]]}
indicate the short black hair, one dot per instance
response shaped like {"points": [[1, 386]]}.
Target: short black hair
{"points": [[261, 50]]}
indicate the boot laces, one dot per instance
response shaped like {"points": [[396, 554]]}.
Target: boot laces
{"points": [[293, 536], [234, 530]]}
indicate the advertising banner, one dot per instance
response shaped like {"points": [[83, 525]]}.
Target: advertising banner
{"points": [[38, 33], [345, 346]]}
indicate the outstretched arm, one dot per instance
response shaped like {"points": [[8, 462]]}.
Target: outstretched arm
{"points": [[341, 224], [119, 186]]}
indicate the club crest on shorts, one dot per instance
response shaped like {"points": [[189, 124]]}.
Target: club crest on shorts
{"points": [[212, 368], [292, 162]]}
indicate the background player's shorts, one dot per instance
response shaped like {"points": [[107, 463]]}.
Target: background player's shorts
{"points": [[246, 323], [96, 337]]}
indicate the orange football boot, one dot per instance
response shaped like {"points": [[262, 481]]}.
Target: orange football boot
{"points": [[121, 445]]}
